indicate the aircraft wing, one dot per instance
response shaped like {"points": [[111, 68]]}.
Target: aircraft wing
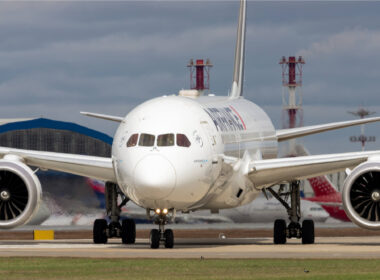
{"points": [[265, 173], [102, 116], [88, 166], [286, 134]]}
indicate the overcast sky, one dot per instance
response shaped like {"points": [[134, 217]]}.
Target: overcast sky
{"points": [[58, 58]]}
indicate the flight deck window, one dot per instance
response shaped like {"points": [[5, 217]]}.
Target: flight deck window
{"points": [[146, 140], [165, 140], [182, 140], [132, 140]]}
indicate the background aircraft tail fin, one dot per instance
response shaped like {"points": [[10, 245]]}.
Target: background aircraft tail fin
{"points": [[321, 185], [99, 189]]}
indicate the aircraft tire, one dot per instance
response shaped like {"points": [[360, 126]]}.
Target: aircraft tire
{"points": [[169, 238], [154, 239], [100, 231], [128, 231], [308, 232], [279, 232]]}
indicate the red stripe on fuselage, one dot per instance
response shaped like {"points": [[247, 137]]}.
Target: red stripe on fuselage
{"points": [[245, 128]]}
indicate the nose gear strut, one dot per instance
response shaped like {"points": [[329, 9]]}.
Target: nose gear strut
{"points": [[158, 235]]}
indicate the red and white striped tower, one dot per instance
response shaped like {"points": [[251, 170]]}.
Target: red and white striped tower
{"points": [[201, 80], [292, 113], [292, 93]]}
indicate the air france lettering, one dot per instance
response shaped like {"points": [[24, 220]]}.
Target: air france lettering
{"points": [[226, 119]]}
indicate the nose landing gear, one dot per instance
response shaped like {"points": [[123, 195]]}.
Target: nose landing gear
{"points": [[161, 235], [294, 230], [126, 230]]}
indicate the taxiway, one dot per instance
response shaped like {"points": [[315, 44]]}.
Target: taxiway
{"points": [[325, 248]]}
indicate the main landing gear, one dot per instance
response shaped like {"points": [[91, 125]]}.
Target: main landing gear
{"points": [[126, 230], [161, 235], [294, 230]]}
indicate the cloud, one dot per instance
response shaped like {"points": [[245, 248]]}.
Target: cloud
{"points": [[358, 41], [57, 58]]}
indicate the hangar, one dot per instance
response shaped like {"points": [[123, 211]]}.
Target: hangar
{"points": [[70, 193], [54, 136]]}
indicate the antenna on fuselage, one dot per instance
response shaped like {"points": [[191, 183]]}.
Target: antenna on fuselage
{"points": [[237, 82]]}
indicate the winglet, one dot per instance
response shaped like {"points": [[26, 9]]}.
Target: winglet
{"points": [[237, 83], [104, 117]]}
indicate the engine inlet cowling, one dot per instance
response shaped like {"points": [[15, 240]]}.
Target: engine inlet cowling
{"points": [[13, 195], [20, 194], [361, 195]]}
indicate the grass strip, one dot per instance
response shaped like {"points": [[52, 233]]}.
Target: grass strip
{"points": [[85, 268]]}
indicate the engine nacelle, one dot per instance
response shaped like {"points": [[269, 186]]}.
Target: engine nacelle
{"points": [[361, 195], [20, 193]]}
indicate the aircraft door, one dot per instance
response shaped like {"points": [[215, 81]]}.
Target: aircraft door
{"points": [[210, 135], [212, 140]]}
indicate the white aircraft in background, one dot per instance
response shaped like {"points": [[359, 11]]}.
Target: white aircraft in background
{"points": [[262, 210], [183, 153]]}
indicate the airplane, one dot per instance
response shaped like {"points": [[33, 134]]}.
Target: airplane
{"points": [[325, 193], [261, 210], [182, 153], [328, 197]]}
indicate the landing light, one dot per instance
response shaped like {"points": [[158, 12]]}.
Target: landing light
{"points": [[163, 211]]}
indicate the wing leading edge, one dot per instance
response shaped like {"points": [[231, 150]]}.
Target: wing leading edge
{"points": [[286, 134], [88, 166], [265, 173], [103, 116]]}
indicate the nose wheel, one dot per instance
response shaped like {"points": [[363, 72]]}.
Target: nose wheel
{"points": [[161, 235], [167, 237], [281, 231], [158, 236], [155, 238]]}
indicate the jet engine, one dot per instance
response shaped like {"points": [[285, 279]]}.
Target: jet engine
{"points": [[361, 195], [20, 193]]}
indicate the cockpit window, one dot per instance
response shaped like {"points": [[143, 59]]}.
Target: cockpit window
{"points": [[182, 140], [165, 140], [146, 140], [132, 140]]}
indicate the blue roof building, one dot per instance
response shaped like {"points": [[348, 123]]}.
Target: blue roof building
{"points": [[54, 136]]}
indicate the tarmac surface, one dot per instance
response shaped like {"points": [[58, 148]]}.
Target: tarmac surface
{"points": [[334, 241], [210, 248]]}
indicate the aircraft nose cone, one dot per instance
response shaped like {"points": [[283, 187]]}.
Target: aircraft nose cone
{"points": [[154, 177]]}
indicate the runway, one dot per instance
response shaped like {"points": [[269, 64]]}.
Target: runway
{"points": [[325, 248]]}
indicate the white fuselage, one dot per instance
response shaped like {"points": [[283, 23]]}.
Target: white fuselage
{"points": [[177, 177]]}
